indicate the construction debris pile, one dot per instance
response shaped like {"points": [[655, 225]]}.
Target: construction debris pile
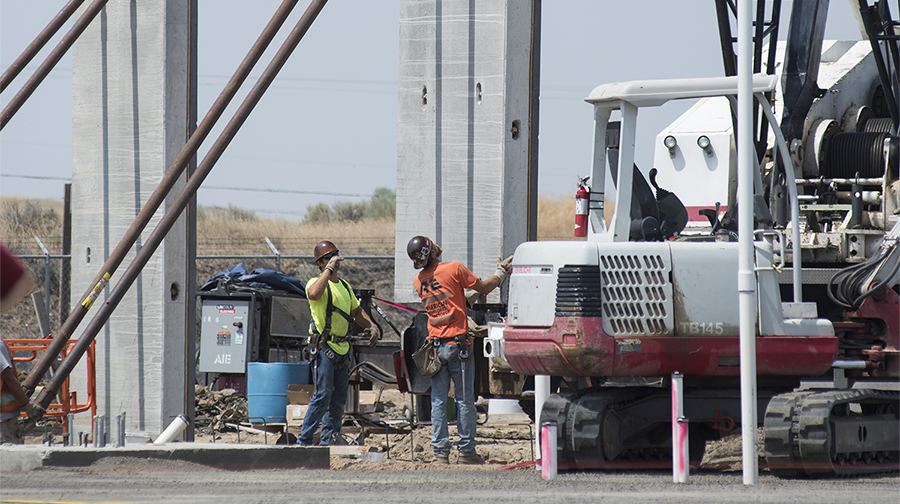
{"points": [[218, 410]]}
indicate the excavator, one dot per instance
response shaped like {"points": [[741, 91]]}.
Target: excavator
{"points": [[653, 289]]}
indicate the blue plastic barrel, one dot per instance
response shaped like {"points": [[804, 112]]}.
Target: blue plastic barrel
{"points": [[267, 384]]}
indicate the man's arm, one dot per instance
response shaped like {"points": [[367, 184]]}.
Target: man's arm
{"points": [[361, 317], [12, 382], [486, 286], [503, 268], [315, 290]]}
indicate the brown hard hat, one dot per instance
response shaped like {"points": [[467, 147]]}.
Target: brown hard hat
{"points": [[324, 247], [419, 250]]}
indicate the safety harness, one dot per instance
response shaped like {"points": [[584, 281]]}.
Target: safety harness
{"points": [[318, 341]]}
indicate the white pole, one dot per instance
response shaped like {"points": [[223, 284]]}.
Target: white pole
{"points": [[541, 393], [172, 431], [680, 451], [746, 277]]}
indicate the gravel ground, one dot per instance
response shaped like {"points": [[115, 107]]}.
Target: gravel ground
{"points": [[140, 482], [503, 441]]}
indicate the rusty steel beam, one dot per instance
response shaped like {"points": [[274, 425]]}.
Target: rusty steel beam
{"points": [[43, 37], [52, 59], [181, 201], [158, 196]]}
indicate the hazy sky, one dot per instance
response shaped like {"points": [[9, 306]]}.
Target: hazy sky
{"points": [[328, 125]]}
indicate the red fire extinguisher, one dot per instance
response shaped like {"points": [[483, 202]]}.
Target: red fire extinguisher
{"points": [[581, 207]]}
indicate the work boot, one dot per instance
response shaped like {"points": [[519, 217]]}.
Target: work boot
{"points": [[442, 459], [474, 459]]}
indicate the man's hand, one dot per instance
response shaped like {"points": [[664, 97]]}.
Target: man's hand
{"points": [[504, 266], [374, 334], [334, 264], [33, 410]]}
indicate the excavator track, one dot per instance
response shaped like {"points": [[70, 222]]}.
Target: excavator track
{"points": [[589, 435], [833, 433]]}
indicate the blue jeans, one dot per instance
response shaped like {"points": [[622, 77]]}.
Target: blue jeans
{"points": [[327, 404], [463, 375]]}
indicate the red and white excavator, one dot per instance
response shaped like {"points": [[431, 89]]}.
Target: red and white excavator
{"points": [[654, 287]]}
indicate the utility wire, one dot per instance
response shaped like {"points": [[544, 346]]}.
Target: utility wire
{"points": [[223, 188], [284, 191]]}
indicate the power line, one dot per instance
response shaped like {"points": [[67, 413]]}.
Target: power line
{"points": [[37, 177], [284, 191], [222, 188]]}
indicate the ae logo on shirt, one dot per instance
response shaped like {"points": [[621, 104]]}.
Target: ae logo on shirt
{"points": [[429, 285]]}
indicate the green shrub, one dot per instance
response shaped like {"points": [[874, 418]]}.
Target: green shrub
{"points": [[348, 211], [320, 213], [383, 204]]}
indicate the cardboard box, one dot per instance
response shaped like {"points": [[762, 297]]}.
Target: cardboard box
{"points": [[295, 413], [367, 402], [300, 394]]}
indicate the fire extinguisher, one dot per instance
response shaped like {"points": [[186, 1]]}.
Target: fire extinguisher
{"points": [[581, 207]]}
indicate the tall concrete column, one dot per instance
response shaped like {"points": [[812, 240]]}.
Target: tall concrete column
{"points": [[464, 131], [130, 121]]}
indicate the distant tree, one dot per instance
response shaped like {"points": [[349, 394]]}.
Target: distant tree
{"points": [[348, 211], [383, 204], [319, 213]]}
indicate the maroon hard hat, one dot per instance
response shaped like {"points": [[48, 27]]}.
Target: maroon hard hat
{"points": [[324, 248], [419, 250]]}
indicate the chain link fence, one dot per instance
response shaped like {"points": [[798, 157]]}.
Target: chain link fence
{"points": [[52, 279]]}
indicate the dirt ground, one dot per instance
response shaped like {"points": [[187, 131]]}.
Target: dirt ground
{"points": [[504, 440]]}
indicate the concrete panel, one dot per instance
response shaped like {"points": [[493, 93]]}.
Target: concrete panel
{"points": [[462, 172], [130, 90]]}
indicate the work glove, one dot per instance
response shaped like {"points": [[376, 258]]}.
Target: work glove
{"points": [[374, 334], [334, 264], [29, 410], [33, 410], [504, 266]]}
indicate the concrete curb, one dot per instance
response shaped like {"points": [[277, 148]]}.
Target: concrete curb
{"points": [[17, 458]]}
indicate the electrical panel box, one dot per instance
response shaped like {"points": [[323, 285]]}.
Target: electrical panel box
{"points": [[229, 334]]}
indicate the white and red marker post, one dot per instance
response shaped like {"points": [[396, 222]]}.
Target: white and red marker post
{"points": [[680, 452]]}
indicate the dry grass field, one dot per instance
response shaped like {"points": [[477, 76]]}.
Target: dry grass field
{"points": [[232, 232]]}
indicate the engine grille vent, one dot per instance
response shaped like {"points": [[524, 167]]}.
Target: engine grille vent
{"points": [[634, 294], [578, 291]]}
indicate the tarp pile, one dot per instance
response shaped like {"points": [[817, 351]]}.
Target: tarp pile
{"points": [[237, 276]]}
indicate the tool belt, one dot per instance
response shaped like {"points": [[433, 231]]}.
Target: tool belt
{"points": [[461, 341], [318, 344]]}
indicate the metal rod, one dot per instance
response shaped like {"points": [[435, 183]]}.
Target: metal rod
{"points": [[46, 277], [277, 254], [159, 194], [178, 205], [304, 256], [43, 37], [52, 59]]}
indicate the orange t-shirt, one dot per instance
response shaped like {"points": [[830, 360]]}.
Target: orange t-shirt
{"points": [[441, 286]]}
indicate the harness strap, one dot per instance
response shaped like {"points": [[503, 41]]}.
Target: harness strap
{"points": [[331, 308]]}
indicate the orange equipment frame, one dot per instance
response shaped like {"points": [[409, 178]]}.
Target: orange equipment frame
{"points": [[60, 411]]}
